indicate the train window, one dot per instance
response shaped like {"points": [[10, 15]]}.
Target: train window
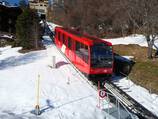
{"points": [[69, 42], [82, 51], [101, 56], [86, 53], [59, 36], [63, 39], [77, 46]]}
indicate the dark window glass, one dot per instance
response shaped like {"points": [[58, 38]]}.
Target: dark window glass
{"points": [[101, 56], [69, 42], [59, 36], [77, 46], [63, 39]]}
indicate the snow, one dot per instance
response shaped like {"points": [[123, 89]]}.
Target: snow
{"points": [[63, 92], [132, 39], [6, 36]]}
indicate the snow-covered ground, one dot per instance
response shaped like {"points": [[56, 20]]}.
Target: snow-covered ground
{"points": [[140, 94], [63, 92], [58, 99]]}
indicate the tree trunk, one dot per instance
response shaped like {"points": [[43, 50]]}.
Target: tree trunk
{"points": [[150, 46]]}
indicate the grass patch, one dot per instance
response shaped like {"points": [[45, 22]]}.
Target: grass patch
{"points": [[145, 71]]}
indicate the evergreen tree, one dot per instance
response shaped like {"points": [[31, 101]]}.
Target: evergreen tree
{"points": [[27, 30]]}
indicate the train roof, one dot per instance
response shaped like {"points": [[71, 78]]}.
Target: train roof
{"points": [[90, 39]]}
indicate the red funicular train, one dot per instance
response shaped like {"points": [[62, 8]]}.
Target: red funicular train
{"points": [[92, 56]]}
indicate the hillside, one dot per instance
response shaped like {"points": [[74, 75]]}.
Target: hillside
{"points": [[144, 71]]}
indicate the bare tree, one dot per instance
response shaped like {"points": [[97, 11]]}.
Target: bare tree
{"points": [[143, 17]]}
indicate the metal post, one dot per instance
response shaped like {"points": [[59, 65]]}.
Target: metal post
{"points": [[108, 104], [150, 88], [68, 80], [98, 94], [37, 107], [128, 81], [119, 109], [54, 61]]}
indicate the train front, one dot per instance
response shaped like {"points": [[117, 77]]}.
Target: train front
{"points": [[101, 61]]}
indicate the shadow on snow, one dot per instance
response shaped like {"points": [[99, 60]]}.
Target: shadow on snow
{"points": [[21, 60], [50, 105], [60, 63]]}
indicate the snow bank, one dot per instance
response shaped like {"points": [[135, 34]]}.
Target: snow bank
{"points": [[132, 39]]}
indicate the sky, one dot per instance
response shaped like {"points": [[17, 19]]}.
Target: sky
{"points": [[13, 1]]}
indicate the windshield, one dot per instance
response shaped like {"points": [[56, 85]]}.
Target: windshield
{"points": [[101, 56]]}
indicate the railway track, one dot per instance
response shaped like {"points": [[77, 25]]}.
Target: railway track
{"points": [[129, 102], [132, 105]]}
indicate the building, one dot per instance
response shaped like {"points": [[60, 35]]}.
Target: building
{"points": [[40, 6]]}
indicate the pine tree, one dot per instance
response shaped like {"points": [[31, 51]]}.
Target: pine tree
{"points": [[27, 30]]}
